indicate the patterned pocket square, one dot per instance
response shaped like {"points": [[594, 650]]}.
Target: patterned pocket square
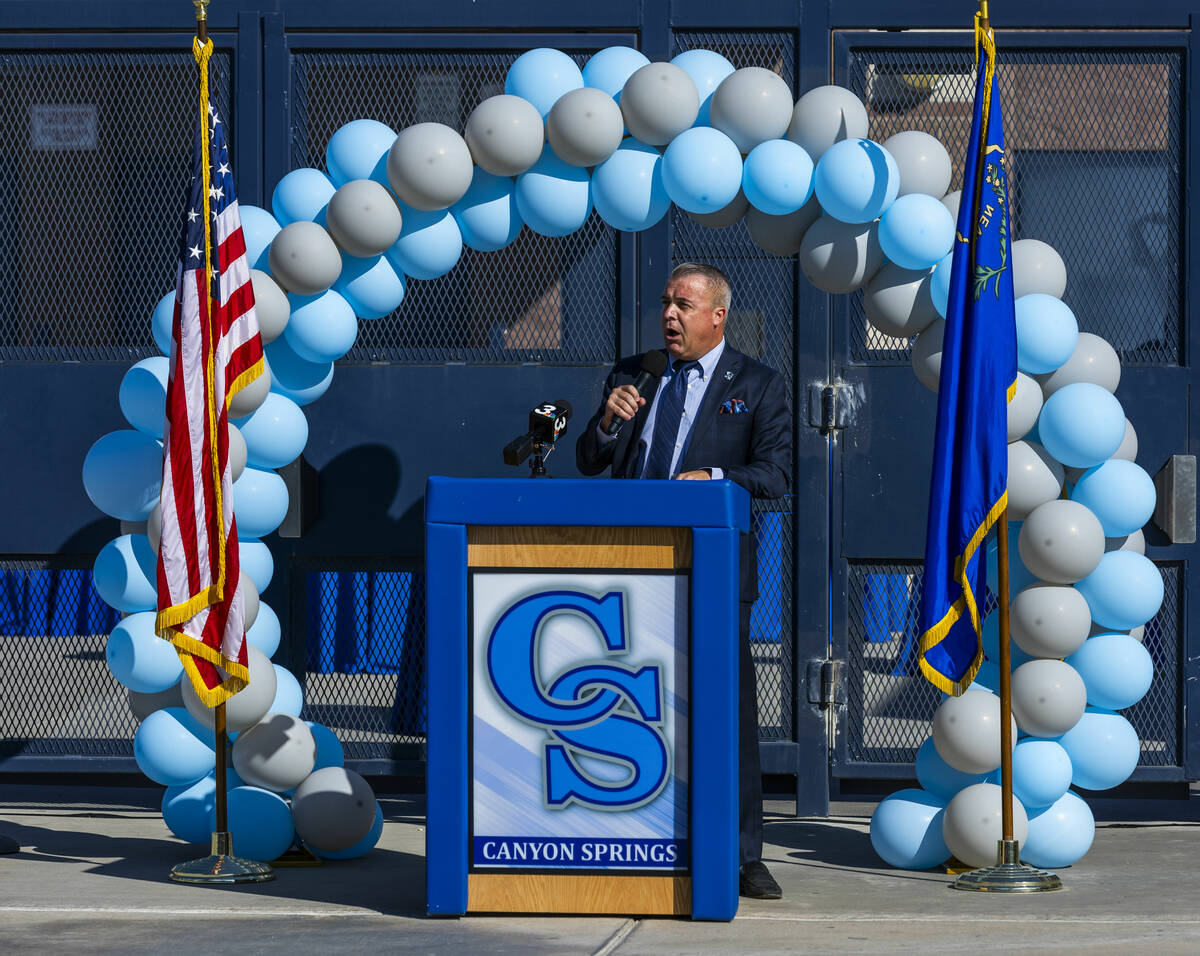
{"points": [[733, 406]]}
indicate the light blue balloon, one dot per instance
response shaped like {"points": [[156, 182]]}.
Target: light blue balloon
{"points": [[553, 197], [125, 574], [330, 752], [1103, 748], [939, 283], [608, 69], [856, 180], [777, 177], [161, 322], [627, 188], [138, 658], [259, 228], [289, 698], [362, 847], [143, 395], [299, 379], [256, 560], [301, 196], [275, 432], [916, 231], [906, 830], [372, 287], [1119, 493], [429, 246], [122, 474], [1124, 591], [1041, 772], [487, 214], [322, 327], [169, 751], [260, 501], [938, 777], [707, 69], [265, 632], [359, 150], [1060, 834], [188, 809], [702, 170], [1117, 670], [260, 823], [1046, 333], [1081, 425], [541, 76]]}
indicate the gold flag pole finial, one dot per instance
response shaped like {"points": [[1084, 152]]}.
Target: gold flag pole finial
{"points": [[983, 14], [201, 19]]}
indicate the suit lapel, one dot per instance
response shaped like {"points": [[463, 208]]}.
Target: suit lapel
{"points": [[724, 375]]}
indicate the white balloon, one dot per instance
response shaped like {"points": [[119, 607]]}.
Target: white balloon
{"points": [[1061, 542], [1050, 620], [780, 235], [253, 395], [898, 303], [277, 753], [1037, 267], [154, 524], [839, 257], [658, 102], [1135, 542], [505, 135], [966, 731], [249, 601], [1025, 407], [974, 824], [1093, 360], [729, 214], [237, 450], [429, 166], [304, 259], [1048, 697], [245, 708], [333, 808], [271, 306], [827, 115], [1128, 448], [922, 160], [952, 201], [363, 218], [1033, 478], [927, 355]]}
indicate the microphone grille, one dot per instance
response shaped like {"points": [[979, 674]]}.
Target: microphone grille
{"points": [[654, 362]]}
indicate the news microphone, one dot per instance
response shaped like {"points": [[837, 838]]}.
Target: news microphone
{"points": [[654, 363], [547, 424]]}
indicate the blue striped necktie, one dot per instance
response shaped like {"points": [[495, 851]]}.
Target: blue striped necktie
{"points": [[666, 424]]}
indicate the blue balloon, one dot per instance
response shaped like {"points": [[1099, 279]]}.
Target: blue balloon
{"points": [[429, 246], [372, 286], [329, 749], [939, 283], [188, 809], [255, 559], [259, 228], [777, 177], [125, 574], [122, 474], [322, 327], [161, 322], [916, 232], [487, 214], [265, 632], [707, 69], [302, 196], [541, 76], [299, 379], [260, 501], [856, 180], [359, 150], [169, 750], [1046, 333], [1119, 493], [289, 698], [1124, 591], [608, 69], [143, 395], [260, 823], [1117, 670], [938, 777], [275, 432], [138, 658], [1041, 772], [1103, 748], [553, 197], [1081, 425], [702, 170], [1060, 834], [362, 847], [628, 187], [906, 830]]}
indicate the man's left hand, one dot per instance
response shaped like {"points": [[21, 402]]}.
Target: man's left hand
{"points": [[698, 475]]}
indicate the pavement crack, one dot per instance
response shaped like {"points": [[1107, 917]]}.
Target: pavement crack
{"points": [[613, 943]]}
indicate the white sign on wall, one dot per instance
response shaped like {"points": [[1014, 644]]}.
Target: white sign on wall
{"points": [[54, 126]]}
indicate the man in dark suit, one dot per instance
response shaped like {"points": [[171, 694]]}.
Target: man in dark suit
{"points": [[716, 413]]}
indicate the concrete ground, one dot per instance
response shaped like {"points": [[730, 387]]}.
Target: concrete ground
{"points": [[92, 877]]}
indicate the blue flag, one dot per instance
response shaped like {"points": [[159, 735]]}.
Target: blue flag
{"points": [[978, 376]]}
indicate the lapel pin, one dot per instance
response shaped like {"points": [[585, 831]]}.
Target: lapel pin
{"points": [[729, 376]]}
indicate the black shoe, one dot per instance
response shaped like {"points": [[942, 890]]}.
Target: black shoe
{"points": [[756, 882]]}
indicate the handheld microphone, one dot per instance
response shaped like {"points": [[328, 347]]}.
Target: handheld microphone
{"points": [[547, 424], [654, 363]]}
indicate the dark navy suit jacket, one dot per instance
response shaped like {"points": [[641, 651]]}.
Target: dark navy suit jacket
{"points": [[753, 447]]}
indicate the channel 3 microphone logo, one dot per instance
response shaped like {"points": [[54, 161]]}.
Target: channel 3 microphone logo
{"points": [[601, 709]]}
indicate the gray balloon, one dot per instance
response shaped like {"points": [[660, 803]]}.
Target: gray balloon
{"points": [[252, 396], [277, 753], [505, 135], [1135, 542], [429, 166], [584, 127], [751, 106], [927, 355], [237, 449], [133, 527], [143, 705], [1128, 448], [824, 116], [1033, 478], [1050, 620], [729, 214], [840, 257], [270, 306], [363, 218], [1025, 407], [304, 259], [245, 708], [952, 201], [1138, 633], [249, 603], [154, 522], [658, 102], [898, 303], [782, 235], [1048, 697], [1037, 267], [922, 160], [1093, 360], [1061, 542], [333, 808]]}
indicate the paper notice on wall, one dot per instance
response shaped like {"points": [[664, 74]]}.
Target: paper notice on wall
{"points": [[55, 126]]}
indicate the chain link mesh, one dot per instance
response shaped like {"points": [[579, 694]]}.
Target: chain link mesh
{"points": [[95, 154], [543, 300], [1094, 141]]}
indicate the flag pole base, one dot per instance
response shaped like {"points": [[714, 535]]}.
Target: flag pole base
{"points": [[221, 866], [1009, 875]]}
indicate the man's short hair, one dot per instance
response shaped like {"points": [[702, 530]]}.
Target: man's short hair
{"points": [[718, 283]]}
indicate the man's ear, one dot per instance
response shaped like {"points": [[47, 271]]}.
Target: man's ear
{"points": [[719, 317]]}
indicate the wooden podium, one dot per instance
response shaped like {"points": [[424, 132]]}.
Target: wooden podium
{"points": [[582, 696]]}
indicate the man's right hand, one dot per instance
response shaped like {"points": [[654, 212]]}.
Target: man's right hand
{"points": [[623, 402]]}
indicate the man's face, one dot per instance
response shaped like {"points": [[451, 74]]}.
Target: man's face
{"points": [[692, 324]]}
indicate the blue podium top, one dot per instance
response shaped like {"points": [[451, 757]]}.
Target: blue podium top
{"points": [[589, 501]]}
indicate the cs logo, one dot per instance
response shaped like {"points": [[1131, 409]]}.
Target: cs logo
{"points": [[603, 710]]}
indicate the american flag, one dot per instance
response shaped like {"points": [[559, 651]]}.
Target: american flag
{"points": [[215, 352]]}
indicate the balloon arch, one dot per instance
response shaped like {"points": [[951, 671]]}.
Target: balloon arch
{"points": [[628, 137]]}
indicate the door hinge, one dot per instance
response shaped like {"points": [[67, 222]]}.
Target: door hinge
{"points": [[826, 682], [833, 406]]}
